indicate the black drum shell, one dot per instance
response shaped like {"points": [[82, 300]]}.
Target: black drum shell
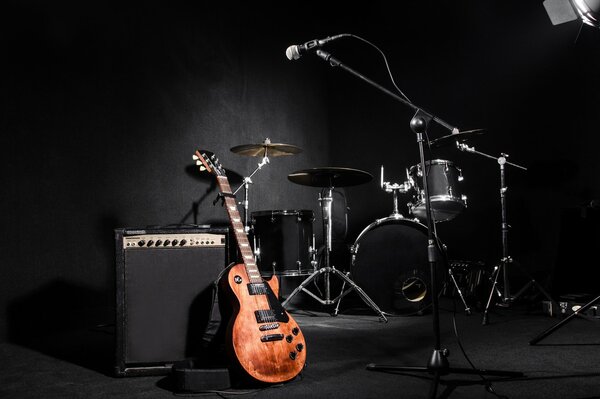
{"points": [[443, 178], [283, 239], [388, 254]]}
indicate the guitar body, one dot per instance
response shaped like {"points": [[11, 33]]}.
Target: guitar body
{"points": [[266, 346]]}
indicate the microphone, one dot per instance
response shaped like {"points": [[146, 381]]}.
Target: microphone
{"points": [[295, 51]]}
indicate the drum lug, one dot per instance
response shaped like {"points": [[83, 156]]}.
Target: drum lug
{"points": [[464, 199]]}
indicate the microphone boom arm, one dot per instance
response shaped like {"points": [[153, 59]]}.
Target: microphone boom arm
{"points": [[334, 62]]}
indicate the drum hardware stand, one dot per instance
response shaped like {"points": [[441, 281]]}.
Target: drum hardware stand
{"points": [[502, 268], [438, 364], [327, 270], [246, 185]]}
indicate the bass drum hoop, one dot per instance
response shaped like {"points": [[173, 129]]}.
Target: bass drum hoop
{"points": [[401, 304]]}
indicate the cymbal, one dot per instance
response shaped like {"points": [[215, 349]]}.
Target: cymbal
{"points": [[330, 177], [267, 149], [460, 137]]}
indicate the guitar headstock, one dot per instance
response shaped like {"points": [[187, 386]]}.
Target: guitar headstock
{"points": [[208, 161]]}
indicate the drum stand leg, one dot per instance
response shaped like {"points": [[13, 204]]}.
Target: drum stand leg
{"points": [[328, 270], [462, 298]]}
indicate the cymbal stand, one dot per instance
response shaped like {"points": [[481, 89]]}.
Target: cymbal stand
{"points": [[502, 268], [246, 186], [327, 270], [438, 364]]}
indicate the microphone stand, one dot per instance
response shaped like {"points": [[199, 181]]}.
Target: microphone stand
{"points": [[438, 364]]}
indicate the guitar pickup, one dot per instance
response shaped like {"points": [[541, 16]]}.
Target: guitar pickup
{"points": [[265, 316], [270, 326], [271, 337], [257, 289]]}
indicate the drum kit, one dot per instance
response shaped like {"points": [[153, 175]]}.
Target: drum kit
{"points": [[390, 279]]}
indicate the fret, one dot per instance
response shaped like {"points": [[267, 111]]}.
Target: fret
{"points": [[239, 231]]}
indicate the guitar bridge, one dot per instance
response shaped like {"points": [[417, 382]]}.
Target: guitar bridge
{"points": [[270, 326]]}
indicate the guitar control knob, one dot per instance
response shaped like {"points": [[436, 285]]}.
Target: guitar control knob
{"points": [[141, 243], [299, 347], [295, 330], [289, 338], [150, 242], [293, 355]]}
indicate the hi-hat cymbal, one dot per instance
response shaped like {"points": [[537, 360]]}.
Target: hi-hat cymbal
{"points": [[330, 177], [460, 137], [266, 149]]}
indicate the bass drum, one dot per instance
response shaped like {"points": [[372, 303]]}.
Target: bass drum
{"points": [[389, 262]]}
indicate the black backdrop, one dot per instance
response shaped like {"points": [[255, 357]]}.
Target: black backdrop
{"points": [[104, 104]]}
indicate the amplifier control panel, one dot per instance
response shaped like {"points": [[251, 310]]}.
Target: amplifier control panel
{"points": [[183, 240]]}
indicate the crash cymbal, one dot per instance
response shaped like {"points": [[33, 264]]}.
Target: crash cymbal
{"points": [[266, 149], [452, 138], [330, 177]]}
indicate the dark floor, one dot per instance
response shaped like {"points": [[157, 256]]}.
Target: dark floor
{"points": [[564, 365]]}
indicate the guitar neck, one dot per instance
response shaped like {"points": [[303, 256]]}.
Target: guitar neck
{"points": [[239, 231]]}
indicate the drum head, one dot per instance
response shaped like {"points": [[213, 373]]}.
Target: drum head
{"points": [[391, 266]]}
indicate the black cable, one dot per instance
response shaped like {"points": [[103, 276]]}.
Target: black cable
{"points": [[386, 63], [488, 384]]}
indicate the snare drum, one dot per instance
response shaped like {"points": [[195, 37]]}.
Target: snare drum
{"points": [[389, 262], [282, 239], [447, 201]]}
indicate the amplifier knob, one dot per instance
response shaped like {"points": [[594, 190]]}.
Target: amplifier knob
{"points": [[167, 242], [174, 242], [141, 243], [158, 242], [182, 242], [150, 242]]}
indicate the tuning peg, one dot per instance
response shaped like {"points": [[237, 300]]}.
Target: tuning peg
{"points": [[195, 157], [202, 168]]}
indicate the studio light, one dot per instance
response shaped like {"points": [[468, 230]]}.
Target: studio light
{"points": [[561, 11]]}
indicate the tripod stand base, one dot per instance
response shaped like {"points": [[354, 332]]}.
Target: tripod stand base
{"points": [[327, 300], [444, 371], [438, 366]]}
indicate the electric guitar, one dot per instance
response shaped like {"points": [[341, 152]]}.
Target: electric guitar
{"points": [[263, 340]]}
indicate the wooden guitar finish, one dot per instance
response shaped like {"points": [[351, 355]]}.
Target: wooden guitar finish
{"points": [[264, 341]]}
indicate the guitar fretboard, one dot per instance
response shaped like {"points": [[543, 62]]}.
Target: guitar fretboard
{"points": [[239, 231]]}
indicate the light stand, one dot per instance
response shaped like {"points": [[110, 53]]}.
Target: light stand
{"points": [[502, 267], [438, 364]]}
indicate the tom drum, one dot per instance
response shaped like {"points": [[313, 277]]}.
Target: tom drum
{"points": [[282, 239], [447, 200]]}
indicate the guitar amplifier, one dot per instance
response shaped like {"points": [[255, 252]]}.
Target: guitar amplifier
{"points": [[165, 295]]}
